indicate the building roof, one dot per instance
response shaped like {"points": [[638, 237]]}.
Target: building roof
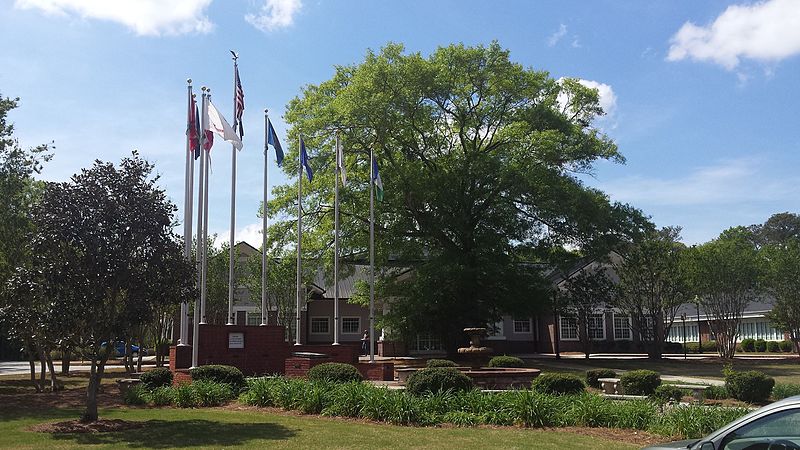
{"points": [[757, 308]]}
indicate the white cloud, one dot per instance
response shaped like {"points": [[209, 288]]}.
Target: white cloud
{"points": [[733, 183], [767, 31], [250, 233], [557, 36], [144, 17], [275, 14], [608, 99]]}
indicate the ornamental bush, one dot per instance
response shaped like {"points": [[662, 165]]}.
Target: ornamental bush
{"points": [[761, 345], [708, 347], [156, 378], [558, 383], [506, 361], [334, 372], [751, 386], [437, 379], [783, 390], [440, 363], [640, 382], [748, 345], [786, 346], [220, 374], [717, 393], [773, 347], [593, 375], [667, 393]]}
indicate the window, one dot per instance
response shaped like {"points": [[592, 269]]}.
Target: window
{"points": [[783, 425], [426, 342], [351, 325], [320, 325], [495, 331], [568, 328], [596, 326], [254, 318], [522, 326], [622, 327]]}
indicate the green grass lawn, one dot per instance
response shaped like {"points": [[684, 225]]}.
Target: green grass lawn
{"points": [[218, 428], [784, 371]]}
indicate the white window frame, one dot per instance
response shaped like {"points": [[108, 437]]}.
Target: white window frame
{"points": [[257, 316], [436, 344], [358, 327], [561, 335], [629, 327], [319, 333], [602, 326], [522, 321], [500, 334]]}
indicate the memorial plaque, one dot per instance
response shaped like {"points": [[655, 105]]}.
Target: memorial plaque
{"points": [[235, 340]]}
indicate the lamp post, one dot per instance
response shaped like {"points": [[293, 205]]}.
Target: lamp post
{"points": [[683, 320]]}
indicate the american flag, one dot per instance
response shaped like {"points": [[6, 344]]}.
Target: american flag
{"points": [[237, 117]]}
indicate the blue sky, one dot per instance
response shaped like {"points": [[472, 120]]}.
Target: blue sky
{"points": [[702, 96]]}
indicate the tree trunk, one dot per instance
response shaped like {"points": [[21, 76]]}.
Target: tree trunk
{"points": [[139, 357], [66, 356], [43, 375], [654, 351], [127, 357], [32, 362], [54, 384], [95, 378]]}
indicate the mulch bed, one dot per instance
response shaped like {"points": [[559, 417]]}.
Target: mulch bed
{"points": [[76, 426], [109, 396]]}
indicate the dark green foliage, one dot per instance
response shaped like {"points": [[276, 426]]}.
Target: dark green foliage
{"points": [[761, 345], [784, 390], [135, 395], [748, 345], [158, 377], [773, 347], [185, 396], [593, 375], [334, 372], [751, 386], [786, 346], [708, 347], [437, 379], [640, 382], [673, 347], [162, 396], [440, 363], [717, 393], [558, 383], [666, 393], [506, 361], [220, 374]]}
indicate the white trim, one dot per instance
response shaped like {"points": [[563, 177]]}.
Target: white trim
{"points": [[514, 326], [561, 329], [614, 326], [603, 325], [311, 325], [358, 328]]}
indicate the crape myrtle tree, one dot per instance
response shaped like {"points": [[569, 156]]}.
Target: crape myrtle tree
{"points": [[782, 280], [109, 258], [584, 295], [652, 286], [479, 158], [724, 273]]}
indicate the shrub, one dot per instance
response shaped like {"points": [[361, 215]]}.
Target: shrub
{"points": [[593, 375], [436, 379], [185, 396], [748, 345], [440, 363], [135, 395], [158, 377], [666, 393], [162, 396], [334, 373], [506, 361], [534, 409], [784, 390], [220, 374], [708, 347], [751, 386], [787, 346], [693, 421], [717, 393], [761, 345], [210, 393], [558, 383], [673, 347], [640, 382], [773, 347]]}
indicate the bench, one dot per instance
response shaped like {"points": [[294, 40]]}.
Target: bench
{"points": [[698, 392], [610, 386]]}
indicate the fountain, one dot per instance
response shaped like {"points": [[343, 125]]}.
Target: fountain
{"points": [[475, 354]]}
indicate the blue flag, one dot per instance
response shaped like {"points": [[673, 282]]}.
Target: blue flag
{"points": [[304, 160], [272, 139]]}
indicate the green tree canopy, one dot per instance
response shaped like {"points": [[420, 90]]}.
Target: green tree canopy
{"points": [[480, 159]]}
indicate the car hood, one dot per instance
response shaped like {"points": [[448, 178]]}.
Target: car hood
{"points": [[672, 445]]}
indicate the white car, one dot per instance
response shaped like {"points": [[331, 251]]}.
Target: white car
{"points": [[773, 427]]}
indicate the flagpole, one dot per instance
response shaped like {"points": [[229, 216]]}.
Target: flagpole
{"points": [[336, 245], [188, 198], [231, 260], [264, 222], [206, 167], [299, 234], [199, 251], [371, 256]]}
